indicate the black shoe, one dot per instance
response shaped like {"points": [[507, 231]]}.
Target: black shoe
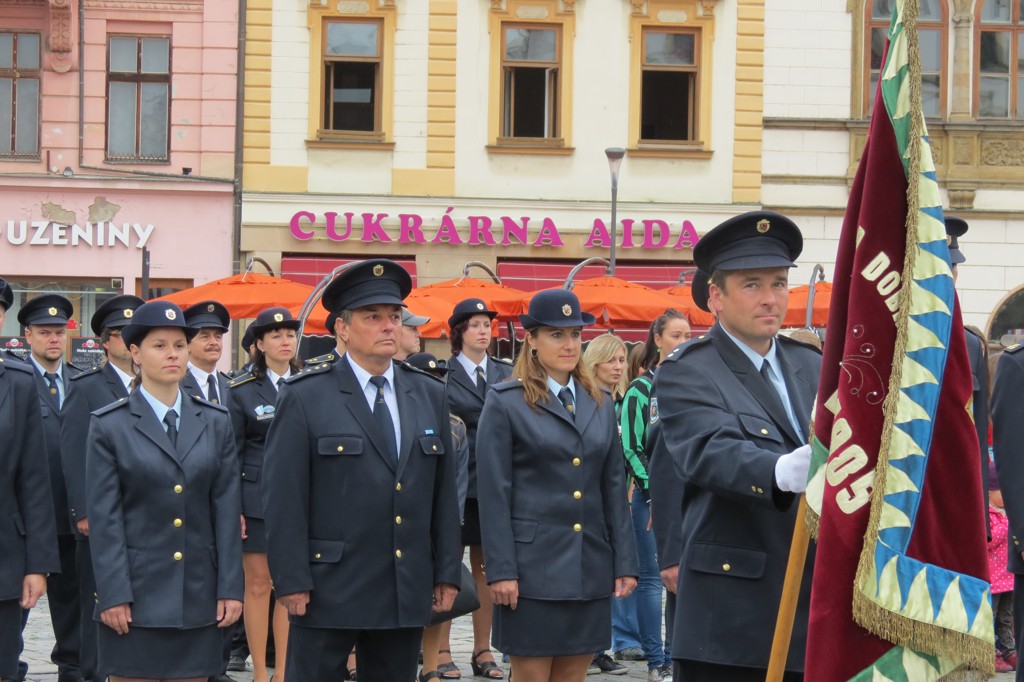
{"points": [[237, 663], [604, 664], [222, 678]]}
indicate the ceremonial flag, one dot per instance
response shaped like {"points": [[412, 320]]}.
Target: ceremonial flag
{"points": [[900, 588]]}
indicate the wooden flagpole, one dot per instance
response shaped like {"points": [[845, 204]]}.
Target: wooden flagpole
{"points": [[790, 595]]}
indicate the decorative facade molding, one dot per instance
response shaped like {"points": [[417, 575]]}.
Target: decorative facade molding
{"points": [[22, 3], [961, 198], [147, 5], [707, 7], [1002, 153], [569, 6], [497, 5], [638, 6], [60, 35]]}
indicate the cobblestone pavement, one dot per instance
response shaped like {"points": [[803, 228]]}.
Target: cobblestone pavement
{"points": [[39, 641]]}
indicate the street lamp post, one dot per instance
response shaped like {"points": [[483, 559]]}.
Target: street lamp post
{"points": [[614, 155]]}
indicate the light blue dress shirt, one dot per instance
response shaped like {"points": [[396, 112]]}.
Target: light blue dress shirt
{"points": [[470, 368], [370, 393], [555, 387], [161, 410]]}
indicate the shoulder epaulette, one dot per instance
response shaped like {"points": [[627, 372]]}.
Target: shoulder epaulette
{"points": [[18, 365], [309, 370], [504, 361], [86, 373], [206, 403], [976, 334], [241, 379], [684, 348], [74, 366], [320, 359], [508, 385], [416, 370], [1014, 348], [797, 342], [120, 402]]}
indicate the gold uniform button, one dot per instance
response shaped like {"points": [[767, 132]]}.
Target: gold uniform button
{"points": [[177, 523], [577, 494], [317, 555], [764, 432], [577, 527], [576, 461], [398, 487], [753, 488], [398, 520], [760, 491], [177, 556], [726, 567], [398, 553], [433, 448], [243, 474], [178, 488], [341, 448]]}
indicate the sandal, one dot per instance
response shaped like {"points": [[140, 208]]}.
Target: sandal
{"points": [[350, 673], [487, 669], [448, 671], [426, 677]]}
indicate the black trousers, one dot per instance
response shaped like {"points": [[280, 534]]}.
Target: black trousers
{"points": [[10, 637], [1018, 620], [684, 670], [318, 654], [65, 614], [88, 655]]}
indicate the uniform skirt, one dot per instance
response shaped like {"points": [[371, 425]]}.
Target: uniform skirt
{"points": [[471, 523], [157, 653], [553, 628], [256, 536]]}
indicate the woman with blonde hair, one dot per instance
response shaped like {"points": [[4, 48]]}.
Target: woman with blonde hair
{"points": [[556, 531], [605, 359]]}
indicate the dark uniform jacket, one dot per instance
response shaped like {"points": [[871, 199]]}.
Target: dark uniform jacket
{"points": [[1008, 443], [190, 386], [553, 510], [164, 522], [251, 402], [725, 428], [979, 379], [467, 403], [90, 391], [368, 536], [50, 407], [28, 535]]}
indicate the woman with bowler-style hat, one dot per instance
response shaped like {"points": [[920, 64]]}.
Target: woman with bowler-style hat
{"points": [[557, 536], [164, 510]]}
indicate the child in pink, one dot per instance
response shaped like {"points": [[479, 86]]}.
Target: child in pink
{"points": [[1002, 581]]}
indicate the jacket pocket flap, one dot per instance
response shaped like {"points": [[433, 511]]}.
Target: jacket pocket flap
{"points": [[340, 445], [250, 473], [431, 445], [19, 523], [523, 531], [758, 427], [736, 562], [326, 551]]}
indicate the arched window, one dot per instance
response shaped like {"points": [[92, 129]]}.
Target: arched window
{"points": [[1000, 46], [933, 36]]}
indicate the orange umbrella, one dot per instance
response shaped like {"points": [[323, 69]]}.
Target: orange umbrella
{"points": [[245, 295], [796, 314], [620, 303], [686, 305], [437, 310]]}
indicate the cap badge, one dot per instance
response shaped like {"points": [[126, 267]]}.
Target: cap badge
{"points": [[278, 317], [567, 310], [171, 315], [210, 308], [432, 364], [378, 270], [479, 306], [128, 312], [763, 225], [52, 311]]}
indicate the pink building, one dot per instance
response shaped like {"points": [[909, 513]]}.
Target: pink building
{"points": [[117, 133]]}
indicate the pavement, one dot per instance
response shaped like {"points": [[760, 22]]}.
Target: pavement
{"points": [[39, 641]]}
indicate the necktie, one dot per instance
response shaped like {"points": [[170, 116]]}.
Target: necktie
{"points": [[481, 380], [382, 415], [565, 395], [51, 381], [211, 389], [171, 419]]}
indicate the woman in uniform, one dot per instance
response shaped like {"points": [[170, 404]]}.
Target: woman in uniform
{"points": [[471, 374], [252, 397], [164, 511], [556, 531]]}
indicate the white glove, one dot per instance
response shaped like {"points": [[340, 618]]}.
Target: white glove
{"points": [[791, 470]]}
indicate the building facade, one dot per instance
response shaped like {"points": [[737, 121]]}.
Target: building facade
{"points": [[117, 135]]}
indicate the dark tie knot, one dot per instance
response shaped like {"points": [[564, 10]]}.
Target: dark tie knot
{"points": [[565, 395], [171, 419], [380, 383]]}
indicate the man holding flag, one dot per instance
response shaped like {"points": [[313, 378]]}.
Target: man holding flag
{"points": [[734, 407], [900, 587]]}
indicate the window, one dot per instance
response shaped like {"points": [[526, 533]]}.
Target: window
{"points": [[932, 32], [530, 68], [19, 95], [352, 77], [138, 102], [668, 90], [1000, 54]]}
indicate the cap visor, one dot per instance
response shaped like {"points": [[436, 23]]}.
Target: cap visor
{"points": [[375, 299]]}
